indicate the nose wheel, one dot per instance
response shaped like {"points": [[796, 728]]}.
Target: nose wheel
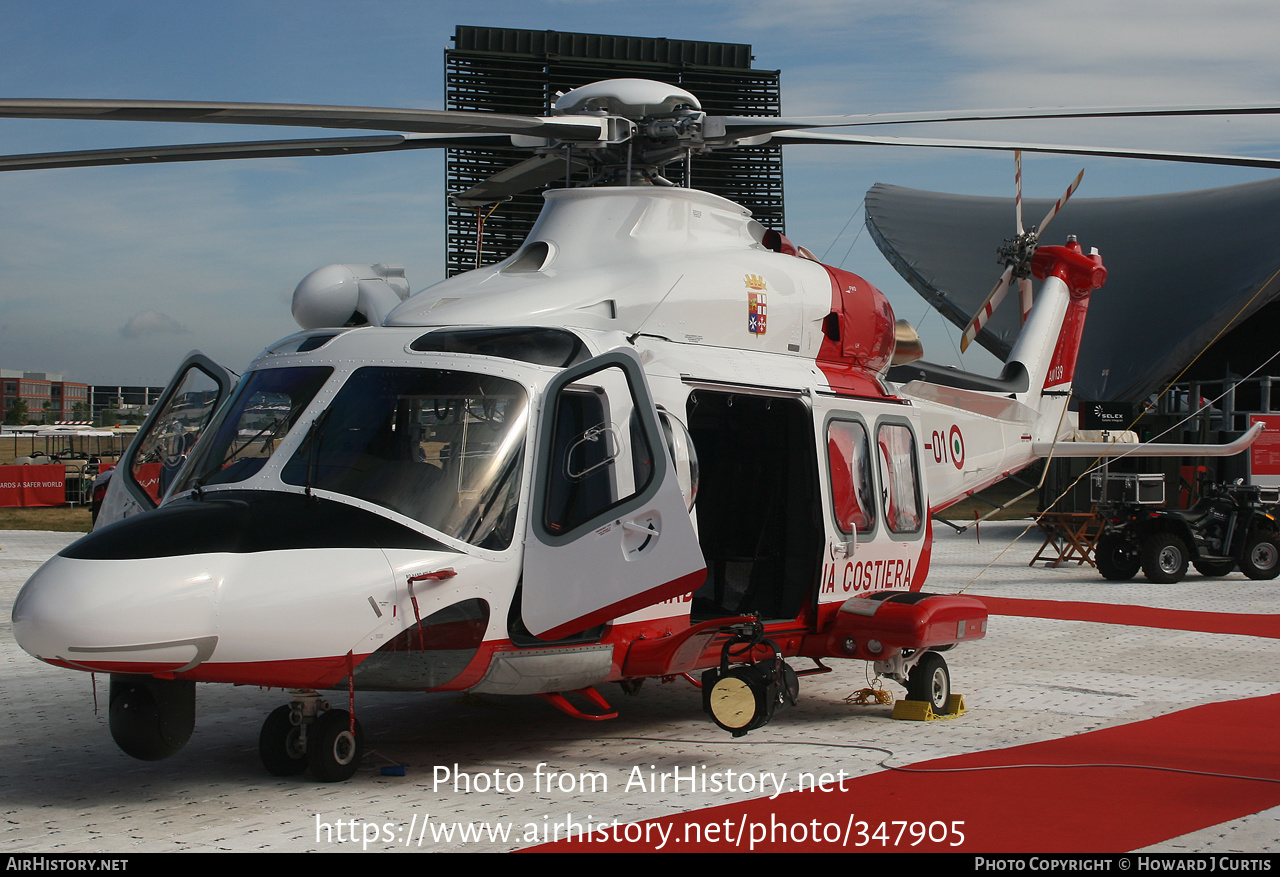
{"points": [[281, 746], [335, 747], [300, 735]]}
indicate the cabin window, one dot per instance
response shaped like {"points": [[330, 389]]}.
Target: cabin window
{"points": [[900, 477], [849, 464], [683, 456], [440, 446]]}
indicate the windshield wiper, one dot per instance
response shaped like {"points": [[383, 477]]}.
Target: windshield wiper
{"points": [[314, 437]]}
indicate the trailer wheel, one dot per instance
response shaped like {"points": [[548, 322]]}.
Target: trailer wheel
{"points": [[1117, 558], [930, 681], [1261, 557], [1164, 558], [1213, 568]]}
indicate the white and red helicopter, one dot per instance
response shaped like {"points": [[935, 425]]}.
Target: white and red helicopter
{"points": [[656, 441]]}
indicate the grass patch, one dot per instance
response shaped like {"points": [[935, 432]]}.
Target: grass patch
{"points": [[67, 519]]}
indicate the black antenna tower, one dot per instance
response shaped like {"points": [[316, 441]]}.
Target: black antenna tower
{"points": [[501, 70]]}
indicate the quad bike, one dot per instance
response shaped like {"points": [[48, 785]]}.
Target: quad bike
{"points": [[1230, 526]]}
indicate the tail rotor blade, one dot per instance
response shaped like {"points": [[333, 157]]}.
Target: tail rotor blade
{"points": [[1060, 203], [1017, 182], [986, 310]]}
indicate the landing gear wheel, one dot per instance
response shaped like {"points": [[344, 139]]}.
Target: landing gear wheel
{"points": [[151, 719], [333, 752], [280, 744], [930, 681], [1164, 558], [1117, 558], [1213, 568], [1261, 557]]}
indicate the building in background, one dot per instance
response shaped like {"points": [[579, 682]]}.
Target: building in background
{"points": [[113, 404], [40, 397], [501, 70]]}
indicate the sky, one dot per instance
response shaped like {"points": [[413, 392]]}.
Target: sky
{"points": [[110, 275]]}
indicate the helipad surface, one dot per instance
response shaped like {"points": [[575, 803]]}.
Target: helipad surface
{"points": [[67, 788]]}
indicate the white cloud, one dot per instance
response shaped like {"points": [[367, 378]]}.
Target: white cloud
{"points": [[152, 323]]}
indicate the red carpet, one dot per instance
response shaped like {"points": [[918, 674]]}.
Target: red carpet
{"points": [[1107, 808], [1014, 809], [1139, 616]]}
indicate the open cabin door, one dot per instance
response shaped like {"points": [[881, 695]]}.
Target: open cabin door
{"points": [[608, 531], [148, 466]]}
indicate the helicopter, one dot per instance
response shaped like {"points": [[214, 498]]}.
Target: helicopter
{"points": [[658, 441]]}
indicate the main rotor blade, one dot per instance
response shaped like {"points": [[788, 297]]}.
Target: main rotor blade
{"points": [[585, 128], [528, 174], [987, 308], [248, 149], [793, 137], [746, 126]]}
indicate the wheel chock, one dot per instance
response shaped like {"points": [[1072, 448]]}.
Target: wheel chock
{"points": [[914, 710], [922, 710]]}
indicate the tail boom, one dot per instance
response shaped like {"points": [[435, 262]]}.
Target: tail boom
{"points": [[974, 435]]}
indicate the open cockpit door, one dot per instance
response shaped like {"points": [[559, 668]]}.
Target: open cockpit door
{"points": [[162, 445], [608, 530]]}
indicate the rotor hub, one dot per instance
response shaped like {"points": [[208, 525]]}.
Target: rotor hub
{"points": [[632, 98]]}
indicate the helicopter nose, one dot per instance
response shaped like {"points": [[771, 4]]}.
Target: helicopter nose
{"points": [[142, 616]]}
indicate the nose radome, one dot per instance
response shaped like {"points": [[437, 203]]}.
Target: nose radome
{"points": [[141, 616]]}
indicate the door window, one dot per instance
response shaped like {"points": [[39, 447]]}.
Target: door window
{"points": [[852, 490], [600, 455], [173, 432]]}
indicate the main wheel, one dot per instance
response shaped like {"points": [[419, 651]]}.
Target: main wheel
{"points": [[930, 681], [1213, 568], [1164, 558], [1117, 558], [280, 744], [1260, 558], [333, 752]]}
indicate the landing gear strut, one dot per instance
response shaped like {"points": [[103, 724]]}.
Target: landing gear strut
{"points": [[926, 678], [307, 733]]}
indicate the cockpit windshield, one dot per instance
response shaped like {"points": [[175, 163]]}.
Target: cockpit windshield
{"points": [[440, 446], [265, 406]]}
